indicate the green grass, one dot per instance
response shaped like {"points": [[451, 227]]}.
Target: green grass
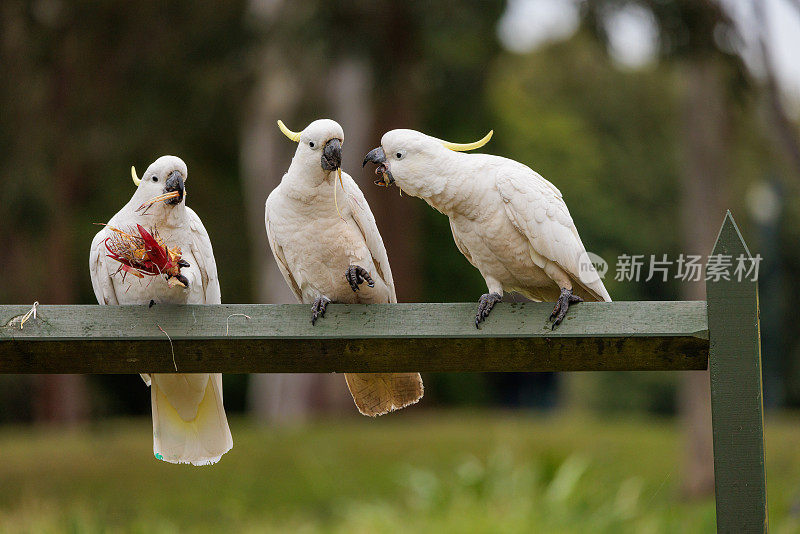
{"points": [[411, 472]]}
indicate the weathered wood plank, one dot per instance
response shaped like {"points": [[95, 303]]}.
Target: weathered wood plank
{"points": [[736, 394], [357, 338]]}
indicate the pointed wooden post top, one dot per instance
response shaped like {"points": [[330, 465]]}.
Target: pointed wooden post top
{"points": [[729, 239]]}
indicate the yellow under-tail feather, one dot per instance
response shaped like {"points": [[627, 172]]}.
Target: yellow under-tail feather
{"points": [[184, 430]]}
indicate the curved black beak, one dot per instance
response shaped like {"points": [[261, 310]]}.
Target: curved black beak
{"points": [[378, 157], [174, 183], [332, 155]]}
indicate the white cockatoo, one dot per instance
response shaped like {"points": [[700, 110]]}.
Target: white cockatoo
{"points": [[326, 244], [189, 423], [509, 222]]}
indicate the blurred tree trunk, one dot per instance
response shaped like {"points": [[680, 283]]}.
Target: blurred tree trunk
{"points": [[61, 399], [271, 397], [704, 188], [396, 106]]}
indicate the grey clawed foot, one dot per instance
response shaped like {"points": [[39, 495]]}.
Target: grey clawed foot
{"points": [[485, 305], [356, 275], [562, 306], [318, 308]]}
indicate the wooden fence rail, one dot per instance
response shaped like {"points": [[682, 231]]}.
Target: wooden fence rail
{"points": [[365, 338]]}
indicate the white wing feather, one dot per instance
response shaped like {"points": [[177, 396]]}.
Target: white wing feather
{"points": [[98, 269], [365, 221], [537, 209], [277, 250], [204, 256]]}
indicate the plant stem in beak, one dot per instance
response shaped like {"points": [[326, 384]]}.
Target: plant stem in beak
{"points": [[159, 198], [335, 201]]}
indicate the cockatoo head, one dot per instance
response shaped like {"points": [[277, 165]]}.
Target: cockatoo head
{"points": [[321, 141], [165, 177], [408, 157]]}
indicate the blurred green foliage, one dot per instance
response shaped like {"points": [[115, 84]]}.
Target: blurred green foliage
{"points": [[461, 472]]}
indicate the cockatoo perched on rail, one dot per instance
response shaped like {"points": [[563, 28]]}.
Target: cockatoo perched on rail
{"points": [[509, 222], [189, 423], [326, 244]]}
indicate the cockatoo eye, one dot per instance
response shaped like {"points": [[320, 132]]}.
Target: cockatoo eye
{"points": [[154, 178], [311, 144], [400, 154]]}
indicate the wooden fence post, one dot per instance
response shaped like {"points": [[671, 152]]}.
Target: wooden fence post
{"points": [[737, 407]]}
